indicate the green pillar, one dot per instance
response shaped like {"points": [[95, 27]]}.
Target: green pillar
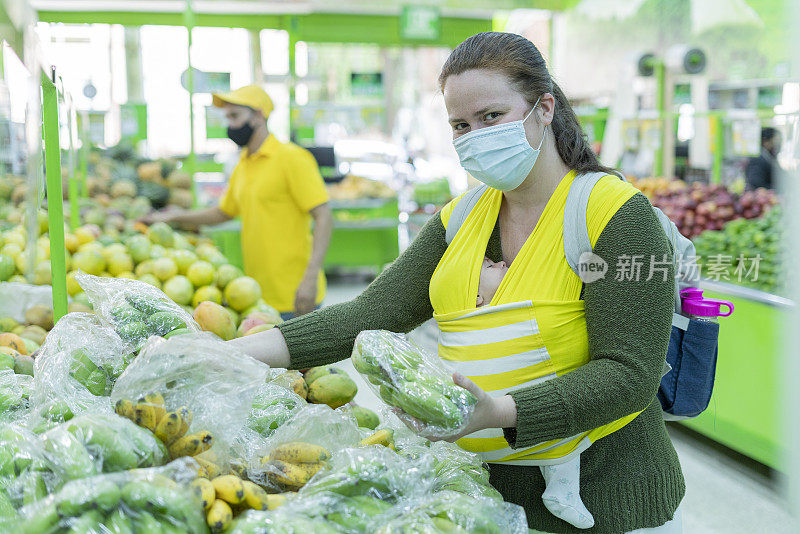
{"points": [[72, 180], [133, 64], [55, 204], [292, 29], [658, 160]]}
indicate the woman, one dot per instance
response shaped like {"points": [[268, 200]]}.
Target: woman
{"points": [[618, 327]]}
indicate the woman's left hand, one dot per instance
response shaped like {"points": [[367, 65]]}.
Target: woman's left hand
{"points": [[489, 412]]}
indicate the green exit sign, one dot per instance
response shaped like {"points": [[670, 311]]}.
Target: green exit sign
{"points": [[420, 23]]}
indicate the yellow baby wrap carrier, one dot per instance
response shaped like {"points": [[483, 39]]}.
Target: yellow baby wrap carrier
{"points": [[534, 328]]}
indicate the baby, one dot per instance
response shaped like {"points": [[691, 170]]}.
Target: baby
{"points": [[562, 493]]}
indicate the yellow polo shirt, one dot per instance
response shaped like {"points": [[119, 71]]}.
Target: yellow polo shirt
{"points": [[273, 190]]}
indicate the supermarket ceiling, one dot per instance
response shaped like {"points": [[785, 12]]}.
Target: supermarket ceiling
{"points": [[470, 8]]}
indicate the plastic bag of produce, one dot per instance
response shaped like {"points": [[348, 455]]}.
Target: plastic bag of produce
{"points": [[193, 391], [100, 443], [284, 520], [135, 309], [141, 500], [75, 370], [377, 472], [303, 446], [272, 407], [23, 475], [448, 511], [417, 383], [15, 395], [454, 469]]}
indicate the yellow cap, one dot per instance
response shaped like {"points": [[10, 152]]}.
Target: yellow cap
{"points": [[252, 96]]}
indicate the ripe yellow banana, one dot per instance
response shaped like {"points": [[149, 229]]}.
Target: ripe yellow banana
{"points": [[156, 400], [192, 445], [168, 428], [124, 408], [298, 452], [205, 491], [229, 488], [381, 437], [186, 420], [212, 470], [291, 475], [219, 516], [144, 415], [276, 501], [254, 496]]}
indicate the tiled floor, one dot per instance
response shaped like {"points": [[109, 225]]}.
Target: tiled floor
{"points": [[725, 494]]}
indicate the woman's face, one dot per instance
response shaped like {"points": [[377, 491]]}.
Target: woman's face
{"points": [[479, 98]]}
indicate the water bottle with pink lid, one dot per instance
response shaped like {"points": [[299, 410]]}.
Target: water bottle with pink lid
{"points": [[700, 308]]}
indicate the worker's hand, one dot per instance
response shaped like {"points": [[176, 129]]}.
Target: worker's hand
{"points": [[489, 412], [165, 215], [305, 299]]}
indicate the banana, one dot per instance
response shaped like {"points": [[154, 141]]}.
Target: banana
{"points": [[298, 452], [381, 437], [276, 501], [144, 415], [192, 445], [238, 468], [254, 496], [219, 516], [168, 428], [291, 475], [186, 420], [229, 488], [212, 470], [205, 491], [124, 408], [156, 400]]}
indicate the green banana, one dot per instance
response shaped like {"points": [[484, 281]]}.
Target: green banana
{"points": [[151, 450], [7, 511], [145, 522], [104, 435], [141, 495], [125, 314], [43, 519], [67, 455], [78, 496], [86, 372], [90, 522], [117, 522], [147, 305], [33, 487], [426, 405], [57, 411]]}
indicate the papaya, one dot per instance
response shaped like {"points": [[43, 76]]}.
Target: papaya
{"points": [[334, 390]]}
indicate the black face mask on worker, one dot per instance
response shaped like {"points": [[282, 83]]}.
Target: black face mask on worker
{"points": [[241, 135]]}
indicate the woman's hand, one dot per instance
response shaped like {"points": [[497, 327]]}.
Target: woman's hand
{"points": [[489, 412]]}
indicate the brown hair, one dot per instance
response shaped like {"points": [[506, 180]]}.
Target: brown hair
{"points": [[521, 61]]}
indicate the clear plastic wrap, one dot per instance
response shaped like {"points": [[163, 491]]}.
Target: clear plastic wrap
{"points": [[111, 443], [202, 374], [15, 396], [315, 427], [75, 370], [454, 469], [141, 500], [135, 309], [284, 520], [273, 406], [449, 511], [375, 472], [23, 475], [417, 383]]}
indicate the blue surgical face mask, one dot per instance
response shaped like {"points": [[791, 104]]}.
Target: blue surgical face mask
{"points": [[500, 155]]}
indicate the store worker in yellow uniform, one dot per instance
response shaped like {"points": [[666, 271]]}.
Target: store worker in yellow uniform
{"points": [[277, 190]]}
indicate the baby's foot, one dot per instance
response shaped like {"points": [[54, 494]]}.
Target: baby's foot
{"points": [[562, 495]]}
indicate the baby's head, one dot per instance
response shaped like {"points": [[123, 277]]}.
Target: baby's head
{"points": [[491, 275]]}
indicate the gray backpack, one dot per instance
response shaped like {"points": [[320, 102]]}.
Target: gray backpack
{"points": [[688, 379]]}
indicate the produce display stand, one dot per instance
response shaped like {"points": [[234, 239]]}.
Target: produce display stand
{"points": [[745, 410], [365, 233]]}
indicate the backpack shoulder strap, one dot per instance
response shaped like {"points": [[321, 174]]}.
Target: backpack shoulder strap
{"points": [[462, 210], [576, 233]]}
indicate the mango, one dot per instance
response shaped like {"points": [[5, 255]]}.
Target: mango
{"points": [[215, 319], [34, 333], [7, 324], [242, 292], [23, 364], [259, 328], [40, 315], [366, 418], [334, 390], [13, 341], [317, 372]]}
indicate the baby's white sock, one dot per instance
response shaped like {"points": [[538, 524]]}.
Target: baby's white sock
{"points": [[562, 494]]}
